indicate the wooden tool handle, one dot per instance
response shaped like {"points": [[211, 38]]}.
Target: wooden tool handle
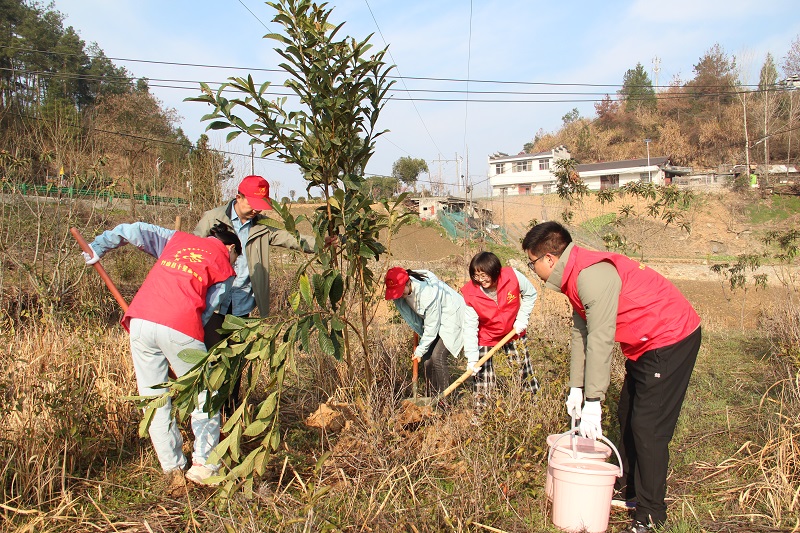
{"points": [[453, 386], [100, 270]]}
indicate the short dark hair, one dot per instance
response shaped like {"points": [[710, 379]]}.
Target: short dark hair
{"points": [[225, 233], [485, 262], [547, 238]]}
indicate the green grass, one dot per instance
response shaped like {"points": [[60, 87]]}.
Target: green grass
{"points": [[778, 208], [594, 225]]}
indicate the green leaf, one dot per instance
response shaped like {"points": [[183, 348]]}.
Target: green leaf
{"points": [[235, 444], [275, 440], [218, 125], [192, 355], [256, 428], [337, 290], [268, 406], [325, 342], [305, 288], [217, 378], [319, 289]]}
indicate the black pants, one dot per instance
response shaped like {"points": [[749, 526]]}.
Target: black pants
{"points": [[435, 369], [212, 337], [650, 401]]}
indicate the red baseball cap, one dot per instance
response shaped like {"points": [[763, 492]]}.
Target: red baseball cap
{"points": [[256, 190], [396, 279]]}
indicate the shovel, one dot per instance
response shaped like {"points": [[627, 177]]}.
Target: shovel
{"points": [[432, 402], [100, 270]]}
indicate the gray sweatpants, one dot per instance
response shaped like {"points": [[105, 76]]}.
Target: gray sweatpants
{"points": [[154, 349]]}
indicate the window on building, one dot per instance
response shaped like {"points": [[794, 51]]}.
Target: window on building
{"points": [[609, 181], [499, 168], [524, 189], [547, 188], [544, 164], [522, 166], [645, 177]]}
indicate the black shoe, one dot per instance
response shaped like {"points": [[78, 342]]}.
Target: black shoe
{"points": [[639, 527]]}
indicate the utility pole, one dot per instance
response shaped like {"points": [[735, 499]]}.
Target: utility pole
{"points": [[456, 161], [252, 159], [656, 69], [649, 174]]}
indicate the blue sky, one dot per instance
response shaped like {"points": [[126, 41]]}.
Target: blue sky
{"points": [[573, 41]]}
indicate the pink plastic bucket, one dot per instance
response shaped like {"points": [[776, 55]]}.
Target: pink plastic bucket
{"points": [[576, 447], [582, 491]]}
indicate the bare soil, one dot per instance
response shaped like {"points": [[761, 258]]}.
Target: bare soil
{"points": [[719, 230]]}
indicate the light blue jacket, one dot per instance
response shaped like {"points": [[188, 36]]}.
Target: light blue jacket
{"points": [[433, 309], [152, 239]]}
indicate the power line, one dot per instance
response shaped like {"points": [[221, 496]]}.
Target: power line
{"points": [[401, 78], [617, 99], [254, 15], [418, 78]]}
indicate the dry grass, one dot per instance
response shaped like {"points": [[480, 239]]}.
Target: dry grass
{"points": [[73, 461]]}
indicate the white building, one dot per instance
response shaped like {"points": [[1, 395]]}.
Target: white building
{"points": [[525, 173], [615, 174]]}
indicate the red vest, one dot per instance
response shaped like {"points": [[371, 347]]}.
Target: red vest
{"points": [[652, 312], [174, 292], [495, 320]]}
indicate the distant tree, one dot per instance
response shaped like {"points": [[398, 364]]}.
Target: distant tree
{"points": [[767, 86], [571, 116], [606, 110], [637, 89], [132, 126], [714, 77], [791, 62], [407, 169], [382, 186]]}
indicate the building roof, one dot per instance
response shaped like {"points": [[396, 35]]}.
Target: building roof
{"points": [[616, 165]]}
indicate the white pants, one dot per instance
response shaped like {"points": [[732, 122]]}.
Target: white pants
{"points": [[155, 349]]}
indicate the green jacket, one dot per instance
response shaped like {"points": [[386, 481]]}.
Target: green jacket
{"points": [[256, 248]]}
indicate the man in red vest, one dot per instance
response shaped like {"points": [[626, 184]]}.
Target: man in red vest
{"points": [[179, 294], [617, 299]]}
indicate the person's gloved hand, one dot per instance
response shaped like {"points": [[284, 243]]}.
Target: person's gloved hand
{"points": [[92, 258], [520, 330], [574, 401], [474, 367], [590, 420]]}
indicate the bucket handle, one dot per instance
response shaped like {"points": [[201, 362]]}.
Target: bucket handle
{"points": [[575, 430]]}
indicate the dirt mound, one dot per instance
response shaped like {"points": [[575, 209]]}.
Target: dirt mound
{"points": [[422, 243]]}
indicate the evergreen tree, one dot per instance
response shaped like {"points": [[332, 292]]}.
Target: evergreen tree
{"points": [[637, 90]]}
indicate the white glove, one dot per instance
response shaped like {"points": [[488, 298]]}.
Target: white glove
{"points": [[590, 420], [520, 329], [574, 401], [417, 355], [90, 259], [474, 367]]}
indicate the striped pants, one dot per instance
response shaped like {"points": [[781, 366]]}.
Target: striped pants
{"points": [[484, 382]]}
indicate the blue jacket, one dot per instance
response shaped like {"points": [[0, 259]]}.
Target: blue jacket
{"points": [[433, 309]]}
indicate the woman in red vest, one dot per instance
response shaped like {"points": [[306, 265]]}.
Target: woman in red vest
{"points": [[617, 299], [166, 316], [499, 299]]}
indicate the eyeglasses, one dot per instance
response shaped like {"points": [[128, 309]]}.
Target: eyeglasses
{"points": [[532, 264], [480, 276]]}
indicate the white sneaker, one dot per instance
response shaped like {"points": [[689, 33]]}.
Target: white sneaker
{"points": [[200, 473]]}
